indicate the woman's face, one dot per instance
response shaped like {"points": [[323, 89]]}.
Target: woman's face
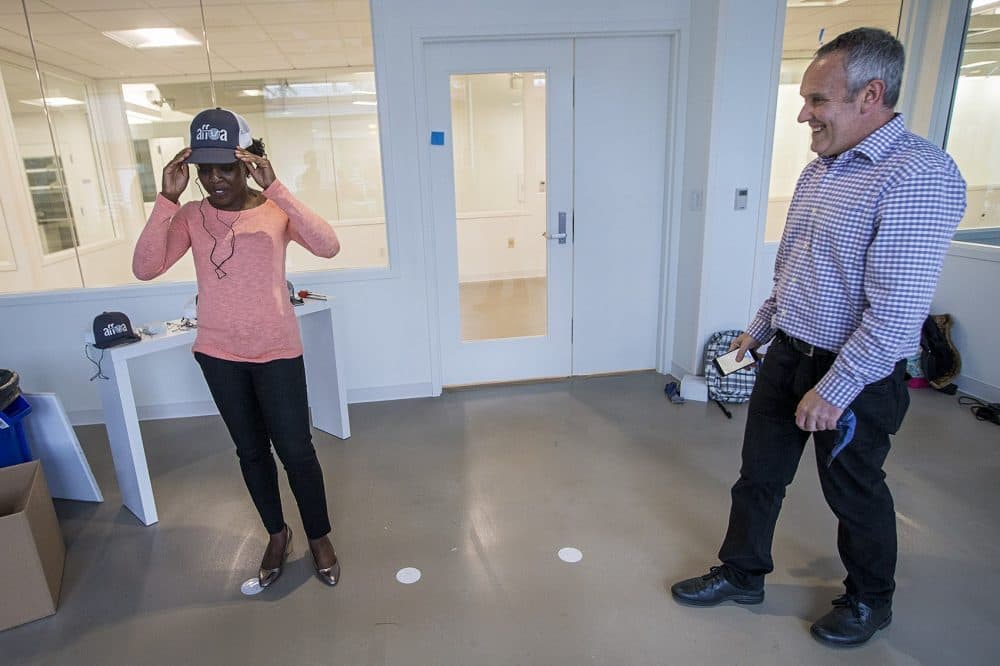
{"points": [[225, 184]]}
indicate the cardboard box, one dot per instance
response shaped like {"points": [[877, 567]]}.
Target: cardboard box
{"points": [[32, 552]]}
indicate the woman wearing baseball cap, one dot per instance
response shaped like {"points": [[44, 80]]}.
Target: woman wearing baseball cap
{"points": [[248, 343]]}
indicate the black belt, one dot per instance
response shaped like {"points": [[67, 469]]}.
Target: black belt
{"points": [[801, 346]]}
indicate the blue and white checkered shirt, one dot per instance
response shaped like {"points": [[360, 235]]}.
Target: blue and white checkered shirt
{"points": [[861, 253]]}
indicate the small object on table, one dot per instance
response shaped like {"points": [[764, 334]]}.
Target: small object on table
{"points": [[305, 293]]}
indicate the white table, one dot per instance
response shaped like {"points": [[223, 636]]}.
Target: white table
{"points": [[324, 376]]}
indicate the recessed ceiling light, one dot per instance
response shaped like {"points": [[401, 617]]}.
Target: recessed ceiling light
{"points": [[360, 103], [52, 101], [152, 38], [252, 92]]}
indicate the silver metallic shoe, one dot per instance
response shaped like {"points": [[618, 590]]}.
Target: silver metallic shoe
{"points": [[267, 576], [329, 575]]}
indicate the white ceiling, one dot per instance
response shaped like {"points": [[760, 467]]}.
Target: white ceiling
{"points": [[282, 36], [244, 35]]}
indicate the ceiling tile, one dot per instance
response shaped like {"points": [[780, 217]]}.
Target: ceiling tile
{"points": [[293, 12], [317, 60], [92, 5], [317, 46], [55, 24], [296, 32], [351, 10], [131, 20]]}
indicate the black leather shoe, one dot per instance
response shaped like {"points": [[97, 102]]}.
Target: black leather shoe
{"points": [[712, 589], [851, 622]]}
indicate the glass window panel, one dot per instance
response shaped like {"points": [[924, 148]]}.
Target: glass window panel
{"points": [[807, 26], [973, 140], [307, 89], [498, 143]]}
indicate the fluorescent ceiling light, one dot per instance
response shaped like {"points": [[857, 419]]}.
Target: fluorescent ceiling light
{"points": [[52, 101], [977, 64], [360, 103], [252, 92], [152, 38]]}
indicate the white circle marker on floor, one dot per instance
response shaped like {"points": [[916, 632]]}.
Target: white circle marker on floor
{"points": [[570, 555], [408, 575], [250, 587]]}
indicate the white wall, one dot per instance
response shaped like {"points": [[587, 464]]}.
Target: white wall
{"points": [[730, 99], [386, 318]]}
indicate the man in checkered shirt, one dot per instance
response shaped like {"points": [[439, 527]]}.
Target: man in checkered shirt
{"points": [[859, 260]]}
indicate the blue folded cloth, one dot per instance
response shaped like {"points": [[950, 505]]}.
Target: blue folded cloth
{"points": [[673, 392], [845, 433]]}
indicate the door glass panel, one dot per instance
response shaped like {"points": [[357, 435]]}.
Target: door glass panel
{"points": [[499, 140], [973, 140]]}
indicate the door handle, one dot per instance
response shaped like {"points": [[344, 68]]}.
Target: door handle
{"points": [[561, 235]]}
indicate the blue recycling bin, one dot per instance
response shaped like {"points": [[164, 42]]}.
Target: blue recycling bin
{"points": [[14, 448]]}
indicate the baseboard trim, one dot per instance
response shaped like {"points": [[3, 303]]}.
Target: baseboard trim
{"points": [[173, 410], [395, 392], [180, 410], [978, 389]]}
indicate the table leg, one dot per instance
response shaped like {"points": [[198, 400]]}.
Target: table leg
{"points": [[324, 374], [126, 441]]}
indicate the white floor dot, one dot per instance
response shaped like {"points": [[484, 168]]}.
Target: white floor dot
{"points": [[570, 555], [250, 587], [408, 575]]}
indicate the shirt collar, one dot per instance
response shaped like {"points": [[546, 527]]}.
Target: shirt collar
{"points": [[877, 144]]}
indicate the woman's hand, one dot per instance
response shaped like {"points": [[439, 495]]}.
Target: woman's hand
{"points": [[258, 167], [175, 176]]}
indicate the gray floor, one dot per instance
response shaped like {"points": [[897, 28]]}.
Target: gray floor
{"points": [[479, 489]]}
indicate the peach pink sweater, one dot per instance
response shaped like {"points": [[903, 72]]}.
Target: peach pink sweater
{"points": [[246, 315]]}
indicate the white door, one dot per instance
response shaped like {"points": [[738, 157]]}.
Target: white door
{"points": [[500, 117], [531, 140]]}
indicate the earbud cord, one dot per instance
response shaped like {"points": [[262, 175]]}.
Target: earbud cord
{"points": [[215, 241]]}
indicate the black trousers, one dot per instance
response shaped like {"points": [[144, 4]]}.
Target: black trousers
{"points": [[261, 404], [854, 486]]}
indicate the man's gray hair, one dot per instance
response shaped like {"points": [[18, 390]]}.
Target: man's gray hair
{"points": [[869, 54]]}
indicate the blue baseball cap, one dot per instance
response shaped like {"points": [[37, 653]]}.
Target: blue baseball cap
{"points": [[216, 134]]}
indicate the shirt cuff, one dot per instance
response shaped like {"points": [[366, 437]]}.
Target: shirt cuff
{"points": [[838, 390], [163, 208], [760, 330]]}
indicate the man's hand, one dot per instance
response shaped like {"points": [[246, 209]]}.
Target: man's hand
{"points": [[814, 413], [743, 342]]}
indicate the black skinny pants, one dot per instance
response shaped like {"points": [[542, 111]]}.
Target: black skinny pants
{"points": [[854, 486], [261, 404]]}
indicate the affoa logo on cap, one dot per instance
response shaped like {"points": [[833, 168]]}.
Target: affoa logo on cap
{"points": [[208, 133], [115, 329]]}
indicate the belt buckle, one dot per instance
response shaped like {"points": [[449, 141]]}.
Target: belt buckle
{"points": [[803, 347]]}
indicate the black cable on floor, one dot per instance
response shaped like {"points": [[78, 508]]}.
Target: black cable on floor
{"points": [[983, 411]]}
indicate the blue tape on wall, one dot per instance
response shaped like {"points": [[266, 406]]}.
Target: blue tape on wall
{"points": [[437, 138]]}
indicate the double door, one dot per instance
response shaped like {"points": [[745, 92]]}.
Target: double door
{"points": [[547, 179]]}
